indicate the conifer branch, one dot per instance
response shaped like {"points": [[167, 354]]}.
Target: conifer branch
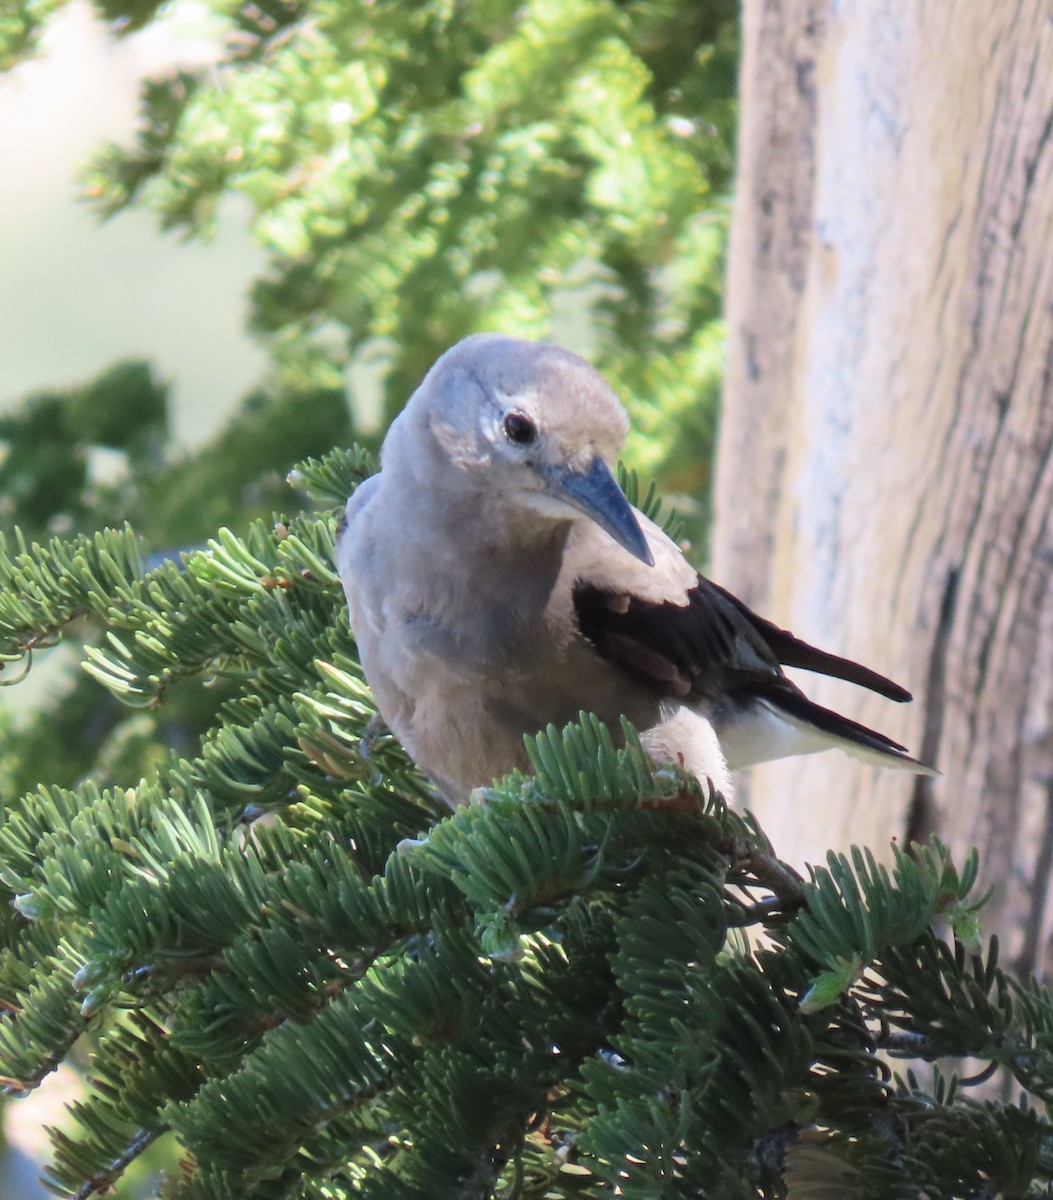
{"points": [[101, 1182], [561, 947]]}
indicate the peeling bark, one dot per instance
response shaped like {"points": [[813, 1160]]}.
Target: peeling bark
{"points": [[885, 472]]}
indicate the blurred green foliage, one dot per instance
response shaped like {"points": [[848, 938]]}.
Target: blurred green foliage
{"points": [[100, 454], [420, 171]]}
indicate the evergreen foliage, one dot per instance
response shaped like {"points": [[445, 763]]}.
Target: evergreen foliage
{"points": [[290, 957], [50, 483]]}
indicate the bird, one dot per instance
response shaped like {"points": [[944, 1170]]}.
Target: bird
{"points": [[498, 581]]}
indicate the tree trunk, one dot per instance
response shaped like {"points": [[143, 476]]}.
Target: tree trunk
{"points": [[885, 475]]}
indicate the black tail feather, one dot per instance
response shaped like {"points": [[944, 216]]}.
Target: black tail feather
{"points": [[795, 704], [792, 652]]}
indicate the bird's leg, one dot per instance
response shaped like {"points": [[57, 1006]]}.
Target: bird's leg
{"points": [[375, 728]]}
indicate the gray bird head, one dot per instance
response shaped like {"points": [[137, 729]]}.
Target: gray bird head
{"points": [[529, 428]]}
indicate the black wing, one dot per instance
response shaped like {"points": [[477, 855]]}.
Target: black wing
{"points": [[713, 647], [792, 652]]}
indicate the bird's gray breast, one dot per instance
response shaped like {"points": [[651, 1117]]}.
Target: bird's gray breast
{"points": [[467, 649]]}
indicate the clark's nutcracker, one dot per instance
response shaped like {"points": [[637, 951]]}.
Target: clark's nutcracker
{"points": [[498, 580]]}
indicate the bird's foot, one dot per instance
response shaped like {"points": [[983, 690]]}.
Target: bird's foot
{"points": [[375, 729], [691, 793]]}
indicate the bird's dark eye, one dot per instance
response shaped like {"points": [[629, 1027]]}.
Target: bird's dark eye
{"points": [[520, 430]]}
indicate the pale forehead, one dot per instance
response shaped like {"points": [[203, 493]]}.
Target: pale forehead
{"points": [[560, 390]]}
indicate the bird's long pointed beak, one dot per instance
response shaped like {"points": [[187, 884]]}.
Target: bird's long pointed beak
{"points": [[596, 493]]}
